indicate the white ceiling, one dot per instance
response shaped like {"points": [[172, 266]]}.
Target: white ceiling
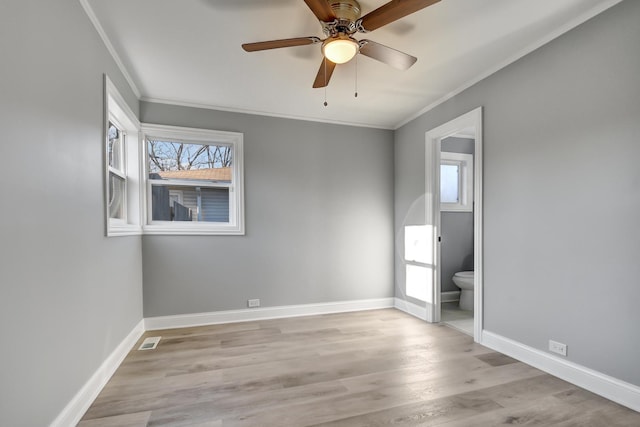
{"points": [[188, 52]]}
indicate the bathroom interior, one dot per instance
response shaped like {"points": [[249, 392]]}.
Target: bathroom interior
{"points": [[457, 233]]}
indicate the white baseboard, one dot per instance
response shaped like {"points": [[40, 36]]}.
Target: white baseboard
{"points": [[611, 388], [263, 313], [75, 409], [450, 296], [410, 308]]}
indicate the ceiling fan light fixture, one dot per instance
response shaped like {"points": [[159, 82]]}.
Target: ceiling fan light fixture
{"points": [[340, 50]]}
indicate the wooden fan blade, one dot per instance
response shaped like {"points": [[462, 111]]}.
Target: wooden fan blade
{"points": [[321, 9], [382, 53], [276, 44], [393, 11], [324, 73]]}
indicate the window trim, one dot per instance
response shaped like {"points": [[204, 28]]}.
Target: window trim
{"points": [[117, 111], [120, 173], [464, 162], [235, 226]]}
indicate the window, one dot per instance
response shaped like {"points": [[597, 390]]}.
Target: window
{"points": [[122, 177], [456, 182], [194, 181], [116, 200]]}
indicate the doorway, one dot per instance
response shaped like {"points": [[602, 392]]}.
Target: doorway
{"points": [[466, 127], [456, 230]]}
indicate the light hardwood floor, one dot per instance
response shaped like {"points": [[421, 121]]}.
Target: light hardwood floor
{"points": [[369, 368]]}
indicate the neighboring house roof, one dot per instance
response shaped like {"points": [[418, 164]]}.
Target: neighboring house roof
{"points": [[213, 174]]}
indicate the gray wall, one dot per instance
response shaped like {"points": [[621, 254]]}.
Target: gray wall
{"points": [[561, 192], [319, 220], [68, 295], [456, 229]]}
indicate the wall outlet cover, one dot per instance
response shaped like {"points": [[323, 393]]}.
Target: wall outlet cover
{"points": [[558, 347], [252, 303]]}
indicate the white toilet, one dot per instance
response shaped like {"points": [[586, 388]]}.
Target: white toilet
{"points": [[464, 280]]}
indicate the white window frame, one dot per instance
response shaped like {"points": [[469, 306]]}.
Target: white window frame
{"points": [[465, 181], [235, 226], [118, 112]]}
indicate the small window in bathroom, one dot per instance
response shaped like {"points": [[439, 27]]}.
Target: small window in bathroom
{"points": [[449, 183], [456, 182]]}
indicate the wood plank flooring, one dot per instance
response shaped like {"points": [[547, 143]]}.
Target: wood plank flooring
{"points": [[369, 368]]}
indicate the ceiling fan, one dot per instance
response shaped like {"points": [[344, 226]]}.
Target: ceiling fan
{"points": [[340, 19]]}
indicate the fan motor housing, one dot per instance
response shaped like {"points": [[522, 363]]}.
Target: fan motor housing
{"points": [[346, 10]]}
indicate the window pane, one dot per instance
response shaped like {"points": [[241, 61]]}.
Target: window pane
{"points": [[185, 203], [114, 136], [183, 161], [449, 183], [116, 196]]}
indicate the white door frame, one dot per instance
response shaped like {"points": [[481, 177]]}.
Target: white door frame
{"points": [[434, 138]]}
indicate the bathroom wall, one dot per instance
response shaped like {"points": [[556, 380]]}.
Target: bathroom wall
{"points": [[456, 229]]}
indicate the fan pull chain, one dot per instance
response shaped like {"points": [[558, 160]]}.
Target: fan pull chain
{"points": [[325, 82], [356, 90]]}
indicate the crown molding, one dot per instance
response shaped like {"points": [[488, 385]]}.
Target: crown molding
{"points": [[105, 39], [538, 44], [259, 113]]}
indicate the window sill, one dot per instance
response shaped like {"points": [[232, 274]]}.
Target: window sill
{"points": [[124, 230], [455, 208], [190, 230]]}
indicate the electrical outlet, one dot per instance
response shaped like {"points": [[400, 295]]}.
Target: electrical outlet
{"points": [[252, 303], [558, 347]]}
